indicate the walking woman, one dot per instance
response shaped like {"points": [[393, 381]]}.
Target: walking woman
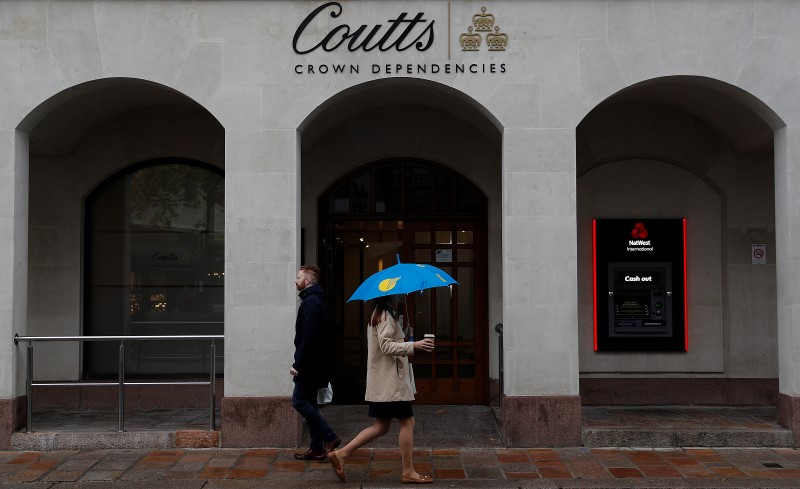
{"points": [[390, 389]]}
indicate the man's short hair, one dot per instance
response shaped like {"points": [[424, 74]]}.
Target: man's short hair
{"points": [[313, 272]]}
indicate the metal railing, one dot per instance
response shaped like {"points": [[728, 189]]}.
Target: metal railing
{"points": [[498, 328], [30, 384]]}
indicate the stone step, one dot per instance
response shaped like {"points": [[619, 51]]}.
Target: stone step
{"points": [[670, 438], [45, 441]]}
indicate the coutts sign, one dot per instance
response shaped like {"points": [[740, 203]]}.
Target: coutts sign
{"points": [[400, 33]]}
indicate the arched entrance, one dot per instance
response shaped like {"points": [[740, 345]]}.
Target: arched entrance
{"points": [[423, 213], [381, 157], [701, 150], [80, 140]]}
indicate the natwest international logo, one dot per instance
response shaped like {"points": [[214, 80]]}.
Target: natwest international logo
{"points": [[639, 243], [639, 231]]}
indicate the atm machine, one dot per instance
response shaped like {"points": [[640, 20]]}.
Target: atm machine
{"points": [[639, 282], [640, 299]]}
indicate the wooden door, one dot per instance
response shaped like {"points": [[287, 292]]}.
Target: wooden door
{"points": [[457, 371]]}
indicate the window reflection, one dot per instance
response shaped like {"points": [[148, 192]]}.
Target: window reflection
{"points": [[155, 266], [417, 189], [404, 187], [340, 200], [387, 189], [443, 192], [362, 194], [465, 237], [444, 237]]}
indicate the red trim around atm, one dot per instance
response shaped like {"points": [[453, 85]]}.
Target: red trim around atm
{"points": [[685, 295], [594, 278]]}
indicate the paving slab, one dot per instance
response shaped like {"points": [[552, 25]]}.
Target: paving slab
{"points": [[379, 467], [459, 445]]}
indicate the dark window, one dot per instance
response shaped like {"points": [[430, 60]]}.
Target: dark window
{"points": [[340, 200], [417, 189], [155, 266], [443, 192], [388, 191], [404, 187], [362, 193]]}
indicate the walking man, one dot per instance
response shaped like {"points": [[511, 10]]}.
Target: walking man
{"points": [[313, 360]]}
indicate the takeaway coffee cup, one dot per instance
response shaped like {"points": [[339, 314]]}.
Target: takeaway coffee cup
{"points": [[431, 336]]}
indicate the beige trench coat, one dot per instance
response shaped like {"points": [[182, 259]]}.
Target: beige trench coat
{"points": [[388, 377]]}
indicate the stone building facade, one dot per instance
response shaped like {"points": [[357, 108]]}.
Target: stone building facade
{"points": [[543, 115]]}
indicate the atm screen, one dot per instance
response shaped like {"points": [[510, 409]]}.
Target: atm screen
{"points": [[637, 278], [639, 300], [632, 305]]}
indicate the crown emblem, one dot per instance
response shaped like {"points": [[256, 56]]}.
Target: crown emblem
{"points": [[497, 41], [469, 41], [483, 21]]}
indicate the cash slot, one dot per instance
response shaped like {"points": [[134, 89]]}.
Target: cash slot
{"points": [[640, 299]]}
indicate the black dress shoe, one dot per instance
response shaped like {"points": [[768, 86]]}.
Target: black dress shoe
{"points": [[310, 455], [331, 445]]}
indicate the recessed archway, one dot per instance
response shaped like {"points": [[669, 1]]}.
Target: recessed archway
{"points": [[699, 149], [77, 138], [407, 119]]}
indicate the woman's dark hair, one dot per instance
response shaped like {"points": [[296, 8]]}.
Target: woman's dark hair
{"points": [[379, 306]]}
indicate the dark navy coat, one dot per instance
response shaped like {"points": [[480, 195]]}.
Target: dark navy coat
{"points": [[313, 342]]}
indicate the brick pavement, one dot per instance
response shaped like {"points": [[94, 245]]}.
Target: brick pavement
{"points": [[481, 462], [478, 467]]}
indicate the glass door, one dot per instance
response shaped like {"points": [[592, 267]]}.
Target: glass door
{"points": [[426, 214], [360, 248], [456, 371]]}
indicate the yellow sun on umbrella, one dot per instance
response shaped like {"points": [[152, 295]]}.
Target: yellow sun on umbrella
{"points": [[388, 284]]}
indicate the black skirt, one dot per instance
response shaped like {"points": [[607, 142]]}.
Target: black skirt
{"points": [[395, 409]]}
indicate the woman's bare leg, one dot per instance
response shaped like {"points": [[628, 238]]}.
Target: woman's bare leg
{"points": [[407, 446], [379, 428]]}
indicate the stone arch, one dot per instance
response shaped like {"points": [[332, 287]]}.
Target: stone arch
{"points": [[409, 118], [703, 148], [75, 140], [398, 117]]}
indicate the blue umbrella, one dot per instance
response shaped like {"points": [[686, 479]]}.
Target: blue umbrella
{"points": [[402, 278]]}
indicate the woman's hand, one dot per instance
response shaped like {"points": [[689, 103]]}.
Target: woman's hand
{"points": [[424, 345]]}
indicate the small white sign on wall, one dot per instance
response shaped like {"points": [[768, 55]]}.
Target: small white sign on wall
{"points": [[444, 255], [758, 254]]}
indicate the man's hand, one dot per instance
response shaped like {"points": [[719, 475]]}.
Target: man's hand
{"points": [[293, 372]]}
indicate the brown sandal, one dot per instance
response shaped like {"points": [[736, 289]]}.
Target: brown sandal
{"points": [[422, 479], [336, 464]]}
